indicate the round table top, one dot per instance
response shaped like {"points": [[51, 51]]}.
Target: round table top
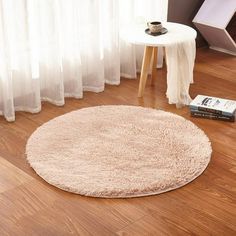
{"points": [[177, 33]]}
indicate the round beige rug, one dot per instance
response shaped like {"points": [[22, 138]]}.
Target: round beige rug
{"points": [[118, 151]]}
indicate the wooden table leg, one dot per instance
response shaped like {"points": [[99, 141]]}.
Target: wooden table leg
{"points": [[164, 55], [145, 69], [154, 64]]}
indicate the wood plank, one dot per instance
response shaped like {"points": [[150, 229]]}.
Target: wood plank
{"points": [[11, 176]]}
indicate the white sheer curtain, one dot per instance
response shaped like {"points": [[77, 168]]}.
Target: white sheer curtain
{"points": [[52, 49]]}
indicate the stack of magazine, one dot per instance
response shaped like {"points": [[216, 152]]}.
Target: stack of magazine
{"points": [[213, 108]]}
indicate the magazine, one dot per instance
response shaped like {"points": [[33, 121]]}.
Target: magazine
{"points": [[213, 105]]}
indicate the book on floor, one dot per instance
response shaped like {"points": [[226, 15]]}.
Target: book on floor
{"points": [[212, 116], [213, 108]]}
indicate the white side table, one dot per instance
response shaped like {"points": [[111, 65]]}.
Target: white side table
{"points": [[177, 33]]}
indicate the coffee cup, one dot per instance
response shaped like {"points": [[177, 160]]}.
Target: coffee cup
{"points": [[154, 26]]}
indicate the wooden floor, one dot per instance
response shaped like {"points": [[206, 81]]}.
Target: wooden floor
{"points": [[30, 206]]}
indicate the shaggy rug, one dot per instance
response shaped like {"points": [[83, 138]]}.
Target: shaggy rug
{"points": [[118, 151]]}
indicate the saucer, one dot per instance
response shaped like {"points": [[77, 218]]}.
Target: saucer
{"points": [[163, 31]]}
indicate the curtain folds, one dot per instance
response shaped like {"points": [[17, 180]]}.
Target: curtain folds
{"points": [[52, 49]]}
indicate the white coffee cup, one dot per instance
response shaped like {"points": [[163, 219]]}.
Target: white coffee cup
{"points": [[154, 26]]}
